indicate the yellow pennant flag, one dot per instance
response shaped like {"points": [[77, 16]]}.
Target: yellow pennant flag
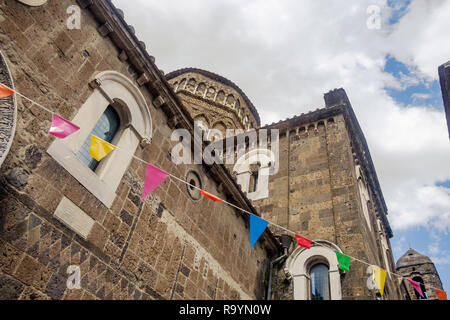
{"points": [[99, 148], [380, 278]]}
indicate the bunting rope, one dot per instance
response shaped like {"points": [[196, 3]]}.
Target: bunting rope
{"points": [[217, 199]]}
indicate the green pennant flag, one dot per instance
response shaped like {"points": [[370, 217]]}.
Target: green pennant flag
{"points": [[344, 261]]}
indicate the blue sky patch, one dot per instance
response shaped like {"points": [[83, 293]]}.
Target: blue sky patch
{"points": [[445, 184], [399, 9], [422, 240], [414, 90]]}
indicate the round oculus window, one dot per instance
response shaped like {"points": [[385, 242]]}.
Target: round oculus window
{"points": [[194, 184]]}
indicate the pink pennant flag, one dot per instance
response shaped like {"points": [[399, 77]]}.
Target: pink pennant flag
{"points": [[416, 286], [62, 128], [153, 178]]}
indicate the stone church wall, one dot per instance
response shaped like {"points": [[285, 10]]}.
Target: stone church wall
{"points": [[166, 247]]}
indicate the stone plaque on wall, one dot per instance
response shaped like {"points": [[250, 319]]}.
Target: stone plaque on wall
{"points": [[74, 218]]}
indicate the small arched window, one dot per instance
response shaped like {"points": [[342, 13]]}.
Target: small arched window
{"points": [[106, 129], [422, 287], [220, 98], [254, 181], [253, 170], [320, 285], [315, 271]]}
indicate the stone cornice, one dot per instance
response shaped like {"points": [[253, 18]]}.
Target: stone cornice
{"points": [[304, 118]]}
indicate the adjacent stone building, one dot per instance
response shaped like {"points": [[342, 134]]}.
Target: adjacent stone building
{"points": [[59, 208], [420, 268], [326, 189]]}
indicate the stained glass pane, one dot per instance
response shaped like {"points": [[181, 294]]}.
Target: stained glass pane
{"points": [[319, 282], [255, 176], [106, 128]]}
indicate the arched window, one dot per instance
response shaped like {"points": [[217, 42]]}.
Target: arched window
{"points": [[230, 100], [117, 112], [106, 129], [315, 272], [320, 125], [183, 84], [210, 93], [422, 287], [364, 195], [220, 98], [201, 90], [254, 181], [319, 282], [191, 84], [237, 104]]}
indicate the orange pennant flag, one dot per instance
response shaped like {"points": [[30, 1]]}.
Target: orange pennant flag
{"points": [[5, 91], [210, 196], [442, 295]]}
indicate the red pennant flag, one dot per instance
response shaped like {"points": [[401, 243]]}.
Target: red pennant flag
{"points": [[5, 91], [210, 196], [442, 295], [303, 242]]}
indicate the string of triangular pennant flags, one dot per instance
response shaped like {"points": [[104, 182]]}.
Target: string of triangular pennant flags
{"points": [[62, 128]]}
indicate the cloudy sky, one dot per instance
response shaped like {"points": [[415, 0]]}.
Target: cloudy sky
{"points": [[285, 54]]}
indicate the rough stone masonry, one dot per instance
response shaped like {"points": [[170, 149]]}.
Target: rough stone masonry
{"points": [[166, 247], [173, 245]]}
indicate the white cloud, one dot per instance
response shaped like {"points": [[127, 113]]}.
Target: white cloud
{"points": [[421, 37], [431, 208], [285, 54], [436, 251], [420, 96]]}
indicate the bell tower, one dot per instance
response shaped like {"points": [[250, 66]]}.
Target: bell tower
{"points": [[420, 268]]}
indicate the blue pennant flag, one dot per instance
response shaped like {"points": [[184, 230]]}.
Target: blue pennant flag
{"points": [[257, 227]]}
